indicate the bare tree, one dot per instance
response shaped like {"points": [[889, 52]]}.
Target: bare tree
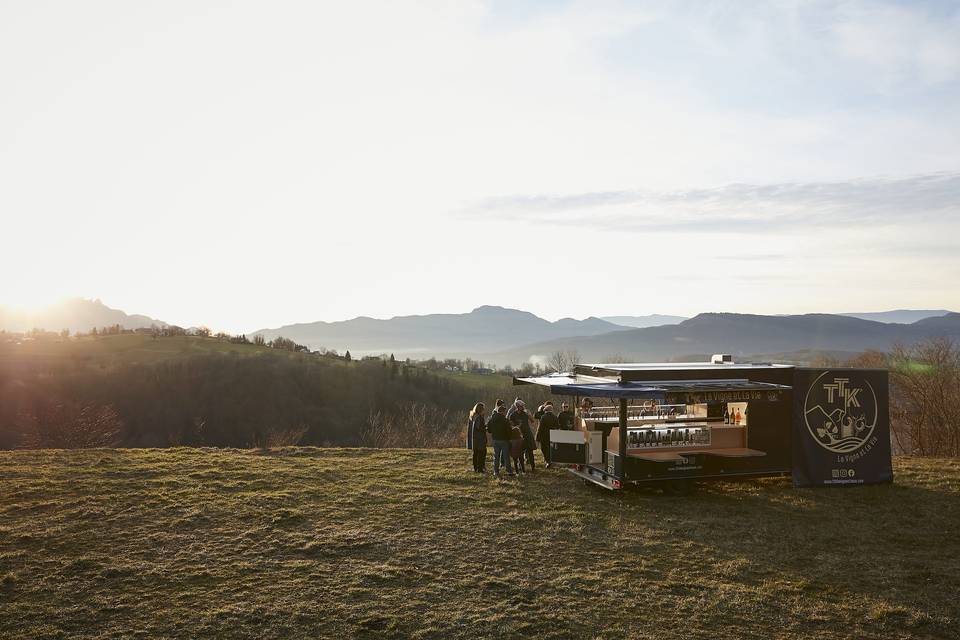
{"points": [[925, 398], [413, 425], [557, 361], [285, 437], [573, 358], [870, 359], [825, 361]]}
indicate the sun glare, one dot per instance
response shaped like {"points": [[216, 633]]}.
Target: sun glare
{"points": [[28, 301]]}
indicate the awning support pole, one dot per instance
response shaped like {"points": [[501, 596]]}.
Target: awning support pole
{"points": [[623, 435]]}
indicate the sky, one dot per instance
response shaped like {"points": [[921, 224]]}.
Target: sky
{"points": [[244, 165]]}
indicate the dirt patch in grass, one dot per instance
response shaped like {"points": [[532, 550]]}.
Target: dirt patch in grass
{"points": [[314, 543]]}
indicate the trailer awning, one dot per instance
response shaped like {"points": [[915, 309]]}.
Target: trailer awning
{"points": [[694, 391]]}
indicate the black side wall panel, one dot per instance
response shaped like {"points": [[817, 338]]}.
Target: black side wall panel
{"points": [[841, 428], [769, 429]]}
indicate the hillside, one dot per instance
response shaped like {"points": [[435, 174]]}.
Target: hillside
{"points": [[125, 349], [742, 335], [307, 543], [77, 314], [484, 329], [136, 390]]}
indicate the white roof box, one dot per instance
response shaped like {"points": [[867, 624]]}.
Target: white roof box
{"points": [[721, 358]]}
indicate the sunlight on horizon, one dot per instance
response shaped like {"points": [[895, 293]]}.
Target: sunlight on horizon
{"points": [[572, 159], [32, 302]]}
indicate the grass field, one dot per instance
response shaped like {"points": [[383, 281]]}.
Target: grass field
{"points": [[309, 543]]}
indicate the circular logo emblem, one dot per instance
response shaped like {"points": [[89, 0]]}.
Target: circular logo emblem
{"points": [[840, 411]]}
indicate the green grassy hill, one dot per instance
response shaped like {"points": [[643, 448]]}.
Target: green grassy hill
{"points": [[308, 543]]}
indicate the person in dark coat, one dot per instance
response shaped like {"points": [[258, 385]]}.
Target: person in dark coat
{"points": [[548, 421], [565, 418], [517, 449], [519, 417], [499, 429], [477, 437]]}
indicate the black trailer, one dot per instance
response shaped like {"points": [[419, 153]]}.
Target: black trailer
{"points": [[676, 422]]}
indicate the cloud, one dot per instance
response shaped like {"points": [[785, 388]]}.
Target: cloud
{"points": [[899, 44], [745, 207]]}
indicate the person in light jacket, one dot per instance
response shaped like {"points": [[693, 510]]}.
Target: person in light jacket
{"points": [[477, 437]]}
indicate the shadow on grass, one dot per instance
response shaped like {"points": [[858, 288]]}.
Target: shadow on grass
{"points": [[883, 556]]}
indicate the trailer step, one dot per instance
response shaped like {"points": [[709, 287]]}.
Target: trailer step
{"points": [[601, 480]]}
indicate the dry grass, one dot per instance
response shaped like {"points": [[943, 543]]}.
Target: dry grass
{"points": [[338, 543]]}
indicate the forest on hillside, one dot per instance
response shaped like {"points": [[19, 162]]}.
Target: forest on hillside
{"points": [[269, 398], [176, 390]]}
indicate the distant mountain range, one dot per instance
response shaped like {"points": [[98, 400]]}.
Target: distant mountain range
{"points": [[509, 336], [483, 330], [638, 322], [900, 316], [741, 335], [76, 314]]}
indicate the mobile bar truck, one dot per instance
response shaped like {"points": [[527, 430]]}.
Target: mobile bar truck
{"points": [[672, 423]]}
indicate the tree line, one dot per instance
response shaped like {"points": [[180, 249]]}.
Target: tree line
{"points": [[269, 398], [223, 400]]}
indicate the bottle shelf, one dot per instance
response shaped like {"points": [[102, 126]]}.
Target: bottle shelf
{"points": [[692, 435], [635, 422]]}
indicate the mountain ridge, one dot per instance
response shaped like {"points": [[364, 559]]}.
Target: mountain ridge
{"points": [[485, 328], [73, 314], [650, 320], [502, 335], [898, 316], [741, 335]]}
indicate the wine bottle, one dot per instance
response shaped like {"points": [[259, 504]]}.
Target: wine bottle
{"points": [[737, 417]]}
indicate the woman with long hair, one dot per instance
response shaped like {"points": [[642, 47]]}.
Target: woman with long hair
{"points": [[477, 437]]}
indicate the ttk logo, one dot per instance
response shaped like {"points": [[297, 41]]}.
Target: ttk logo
{"points": [[840, 388], [840, 411]]}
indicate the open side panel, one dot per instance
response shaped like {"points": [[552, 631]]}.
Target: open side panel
{"points": [[674, 429]]}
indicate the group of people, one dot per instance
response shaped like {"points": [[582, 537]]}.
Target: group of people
{"points": [[512, 432]]}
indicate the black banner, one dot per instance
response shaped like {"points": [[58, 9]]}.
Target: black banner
{"points": [[841, 427], [720, 397]]}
